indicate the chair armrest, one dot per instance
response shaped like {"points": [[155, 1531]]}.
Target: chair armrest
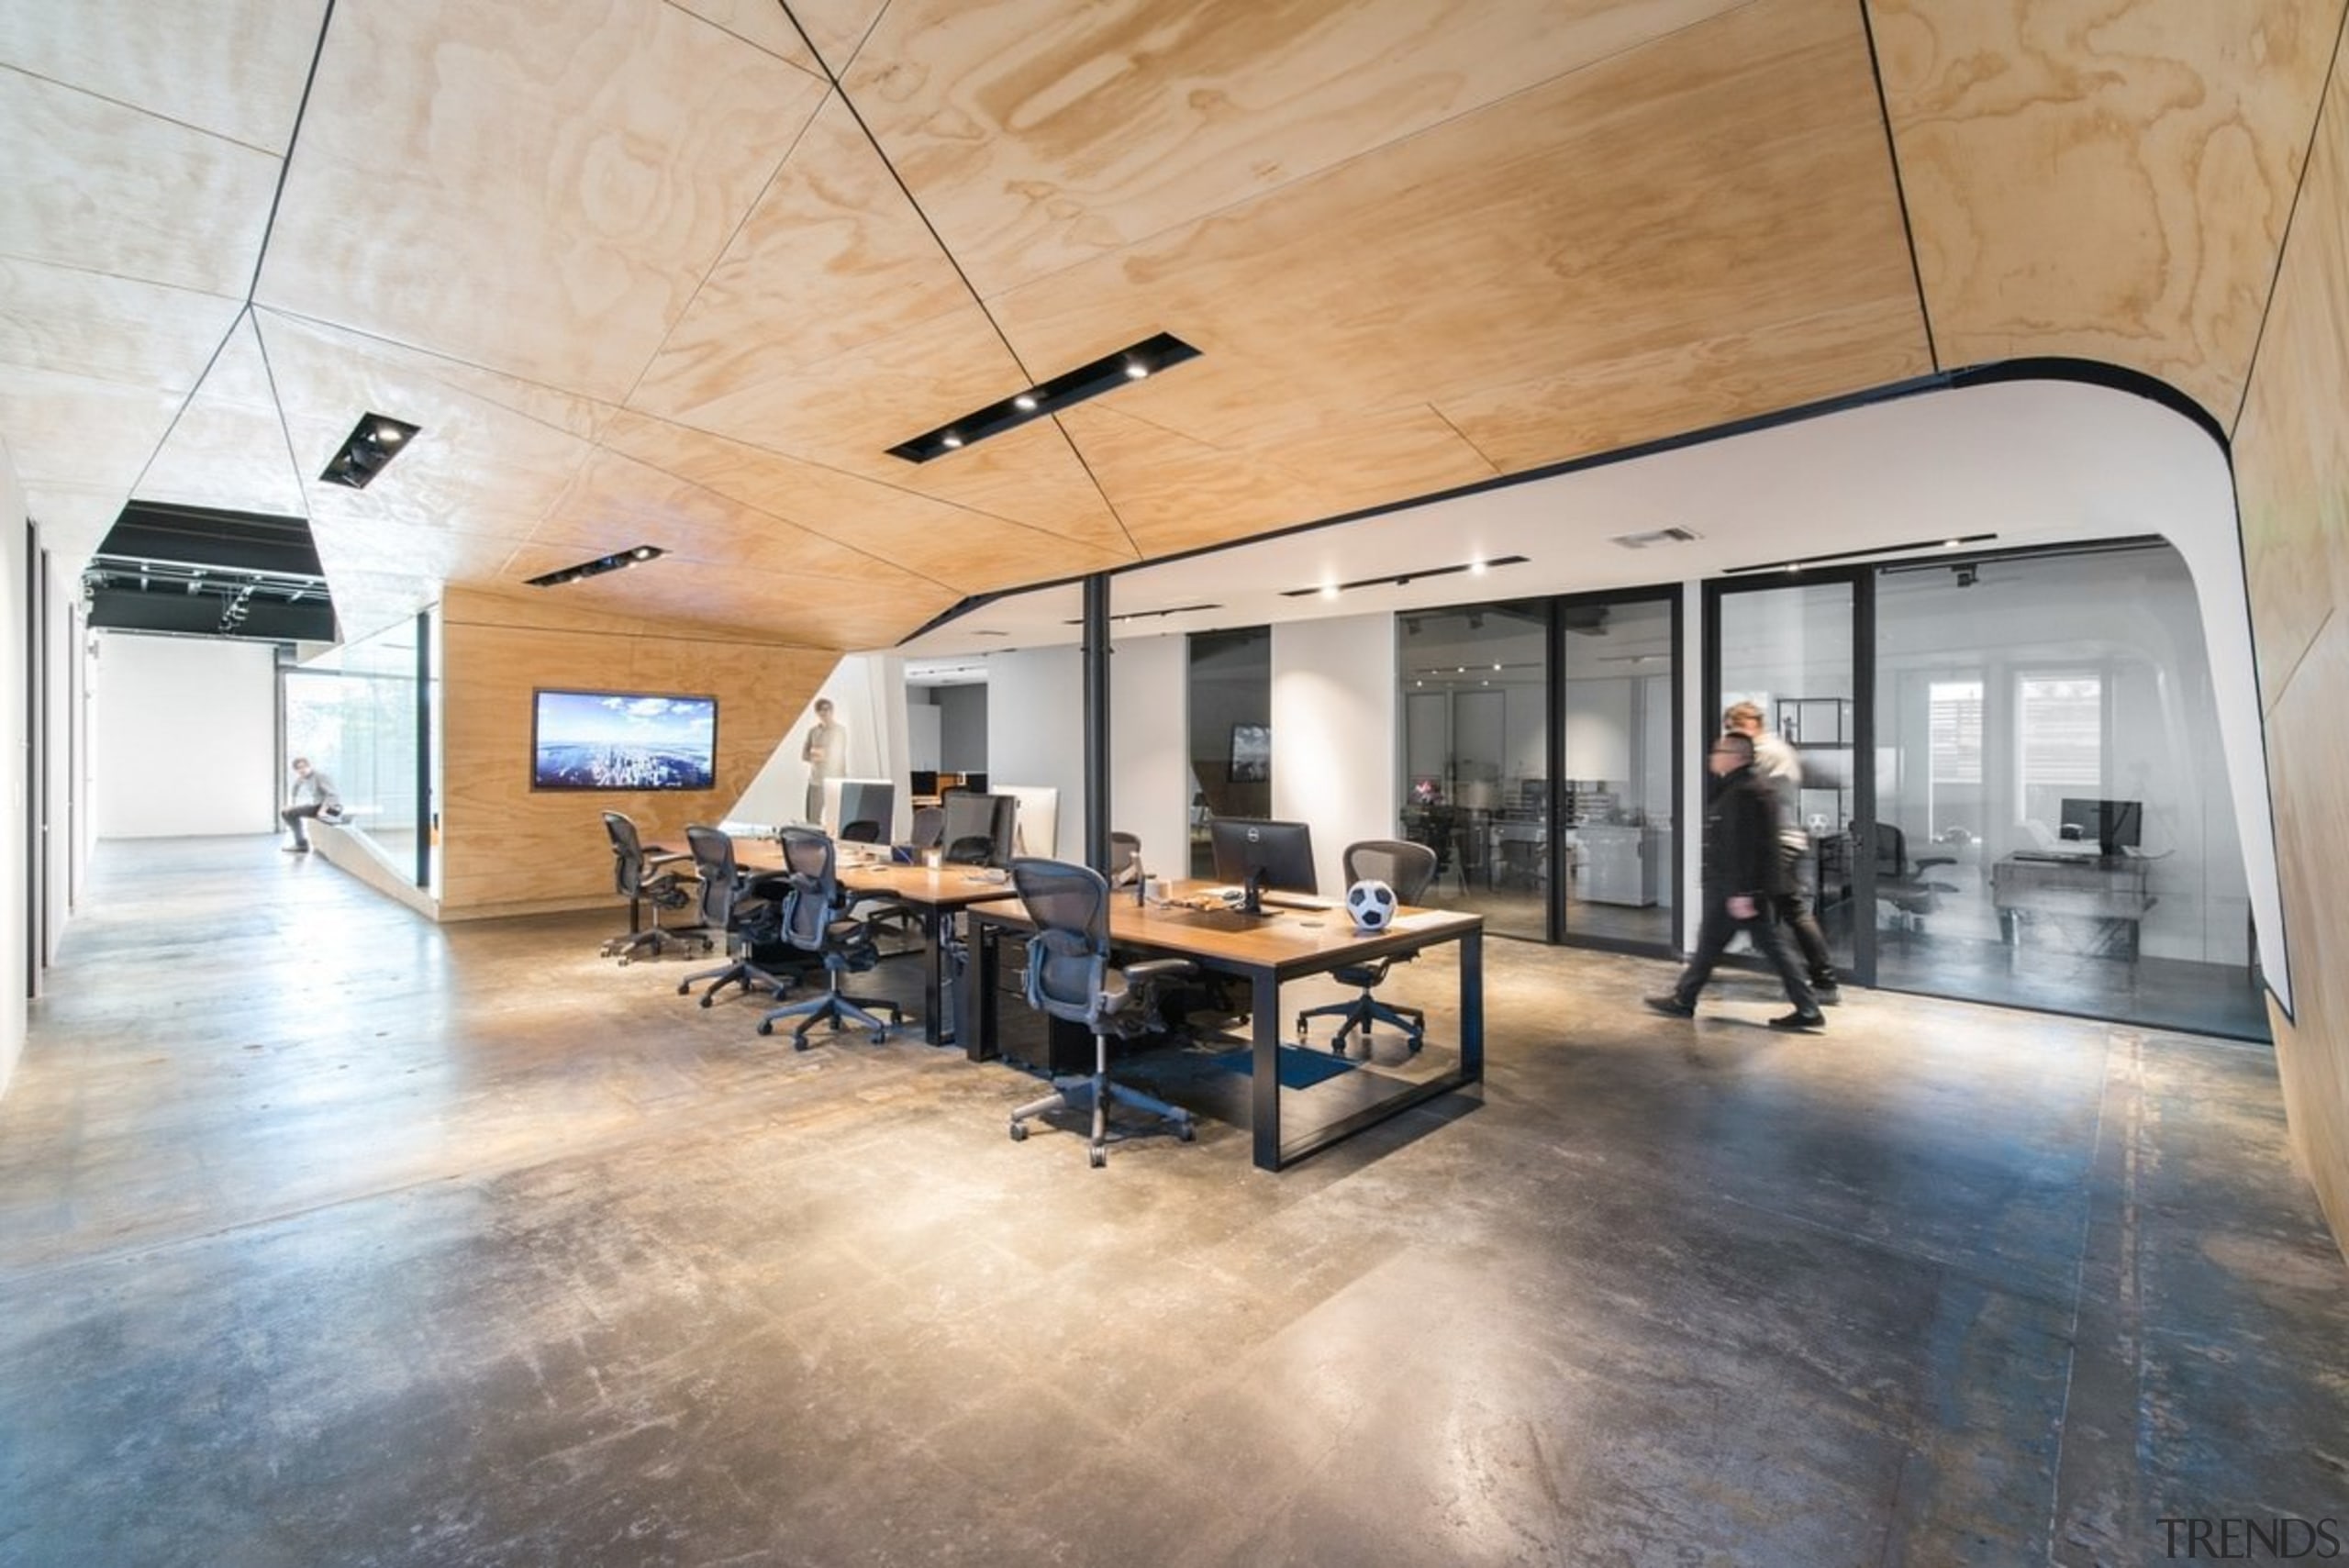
{"points": [[654, 855], [1926, 862], [1152, 969]]}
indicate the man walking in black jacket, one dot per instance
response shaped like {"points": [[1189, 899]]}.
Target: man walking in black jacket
{"points": [[1741, 874]]}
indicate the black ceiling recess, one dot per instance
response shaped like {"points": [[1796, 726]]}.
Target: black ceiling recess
{"points": [[192, 570]]}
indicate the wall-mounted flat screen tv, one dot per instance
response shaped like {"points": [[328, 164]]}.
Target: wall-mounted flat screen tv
{"points": [[623, 740]]}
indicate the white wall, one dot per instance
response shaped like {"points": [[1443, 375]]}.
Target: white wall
{"points": [[921, 728], [15, 613], [868, 694], [1334, 737], [185, 737], [1035, 733], [1150, 770]]}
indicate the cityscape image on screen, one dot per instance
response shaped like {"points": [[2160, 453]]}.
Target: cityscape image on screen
{"points": [[623, 740]]}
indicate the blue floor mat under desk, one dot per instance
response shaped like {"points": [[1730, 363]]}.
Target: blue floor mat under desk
{"points": [[1300, 1068]]}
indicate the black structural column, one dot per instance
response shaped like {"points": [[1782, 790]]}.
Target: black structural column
{"points": [[1097, 721]]}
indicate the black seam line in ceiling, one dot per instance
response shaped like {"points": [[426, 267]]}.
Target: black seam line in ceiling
{"points": [[1900, 187], [253, 284], [2291, 216], [962, 277], [2092, 372]]}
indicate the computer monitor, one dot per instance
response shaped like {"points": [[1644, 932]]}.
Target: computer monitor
{"points": [[2112, 826], [867, 800], [1282, 850], [994, 817], [924, 780]]}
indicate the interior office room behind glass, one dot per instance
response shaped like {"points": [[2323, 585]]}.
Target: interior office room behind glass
{"points": [[2018, 702]]}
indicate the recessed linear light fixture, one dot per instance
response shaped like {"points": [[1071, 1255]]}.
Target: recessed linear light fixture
{"points": [[1802, 561], [1656, 535], [1331, 590], [597, 567], [1136, 363], [372, 442], [1152, 615]]}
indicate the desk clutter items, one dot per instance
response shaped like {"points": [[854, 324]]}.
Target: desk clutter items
{"points": [[1372, 904]]}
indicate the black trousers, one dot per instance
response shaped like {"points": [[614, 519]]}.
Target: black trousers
{"points": [[1795, 911], [294, 816], [1713, 936]]}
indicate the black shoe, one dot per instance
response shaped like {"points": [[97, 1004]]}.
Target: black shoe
{"points": [[1800, 1023], [1672, 1007], [1828, 995], [295, 848]]}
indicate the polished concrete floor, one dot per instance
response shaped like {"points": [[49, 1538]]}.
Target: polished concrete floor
{"points": [[331, 1236]]}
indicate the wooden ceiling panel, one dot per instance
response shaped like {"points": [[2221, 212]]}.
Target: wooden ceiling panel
{"points": [[228, 447], [618, 502], [103, 188], [761, 22], [846, 413], [1040, 134], [233, 68], [533, 188], [1625, 400], [949, 544], [836, 26], [2109, 181], [75, 323], [82, 432], [1729, 183], [833, 257], [770, 604]]}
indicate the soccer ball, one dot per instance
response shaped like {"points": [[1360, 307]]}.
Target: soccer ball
{"points": [[1372, 904]]}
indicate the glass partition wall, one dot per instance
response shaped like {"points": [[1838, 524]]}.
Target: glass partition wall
{"points": [[2056, 826], [366, 713], [1231, 696], [1539, 753], [2016, 795]]}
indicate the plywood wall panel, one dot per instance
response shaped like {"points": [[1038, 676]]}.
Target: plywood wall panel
{"points": [[2108, 178], [2292, 468], [505, 847]]}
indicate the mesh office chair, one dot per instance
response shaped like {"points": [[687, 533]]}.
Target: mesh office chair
{"points": [[1070, 976], [978, 828], [1901, 882], [642, 874], [1407, 868], [744, 907], [815, 921], [1125, 859], [929, 826]]}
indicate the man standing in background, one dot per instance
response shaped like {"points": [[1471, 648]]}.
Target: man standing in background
{"points": [[1776, 763], [826, 753]]}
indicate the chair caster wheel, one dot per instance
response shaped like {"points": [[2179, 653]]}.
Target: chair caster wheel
{"points": [[706, 1000], [766, 1028], [1096, 1158], [624, 960], [1018, 1132], [684, 987], [880, 1037], [799, 1042], [1186, 1132]]}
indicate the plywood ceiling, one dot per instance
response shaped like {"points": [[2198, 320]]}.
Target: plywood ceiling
{"points": [[680, 273]]}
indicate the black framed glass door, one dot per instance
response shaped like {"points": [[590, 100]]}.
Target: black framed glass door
{"points": [[1613, 836]]}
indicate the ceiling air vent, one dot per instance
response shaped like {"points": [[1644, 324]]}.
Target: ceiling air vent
{"points": [[1654, 536]]}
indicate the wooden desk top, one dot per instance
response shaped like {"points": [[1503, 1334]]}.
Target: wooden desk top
{"points": [[949, 887], [1283, 941]]}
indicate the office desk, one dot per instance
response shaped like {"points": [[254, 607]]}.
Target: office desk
{"points": [[2109, 889], [1286, 947], [938, 893]]}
